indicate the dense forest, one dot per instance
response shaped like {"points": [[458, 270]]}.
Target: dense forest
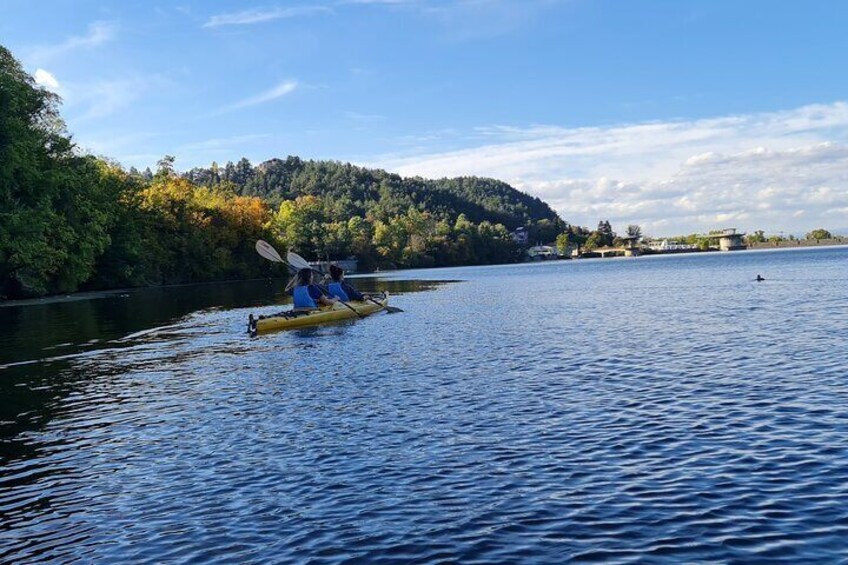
{"points": [[71, 221]]}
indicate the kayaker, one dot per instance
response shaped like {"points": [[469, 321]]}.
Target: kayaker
{"points": [[340, 289], [308, 295]]}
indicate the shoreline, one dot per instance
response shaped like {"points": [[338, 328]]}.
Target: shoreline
{"points": [[111, 293], [126, 292]]}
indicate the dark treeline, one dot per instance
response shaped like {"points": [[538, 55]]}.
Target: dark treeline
{"points": [[70, 221]]}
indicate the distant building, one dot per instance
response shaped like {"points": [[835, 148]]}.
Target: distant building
{"points": [[728, 239], [349, 265], [521, 236], [665, 247], [542, 253]]}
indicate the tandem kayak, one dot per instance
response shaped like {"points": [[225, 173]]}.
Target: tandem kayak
{"points": [[290, 319]]}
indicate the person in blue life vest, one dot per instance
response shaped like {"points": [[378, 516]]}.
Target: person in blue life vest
{"points": [[308, 295], [340, 289]]}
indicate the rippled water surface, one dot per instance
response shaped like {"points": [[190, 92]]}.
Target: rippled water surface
{"points": [[660, 409]]}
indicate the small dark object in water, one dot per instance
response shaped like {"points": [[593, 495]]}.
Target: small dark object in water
{"points": [[759, 278]]}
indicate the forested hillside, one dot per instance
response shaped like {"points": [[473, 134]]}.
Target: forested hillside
{"points": [[70, 221], [358, 191]]}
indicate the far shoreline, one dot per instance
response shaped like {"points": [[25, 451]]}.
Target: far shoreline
{"points": [[126, 292]]}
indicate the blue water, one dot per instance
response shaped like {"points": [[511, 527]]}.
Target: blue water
{"points": [[659, 409]]}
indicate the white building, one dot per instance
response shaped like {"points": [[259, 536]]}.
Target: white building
{"points": [[664, 246], [542, 253], [520, 236]]}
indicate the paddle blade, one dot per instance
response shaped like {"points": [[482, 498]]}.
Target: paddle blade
{"points": [[297, 261], [267, 251]]}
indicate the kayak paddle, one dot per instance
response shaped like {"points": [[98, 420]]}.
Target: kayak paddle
{"points": [[299, 262], [267, 251]]}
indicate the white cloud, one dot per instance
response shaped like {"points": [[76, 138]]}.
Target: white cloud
{"points": [[46, 80], [282, 89], [757, 170], [259, 15], [98, 34]]}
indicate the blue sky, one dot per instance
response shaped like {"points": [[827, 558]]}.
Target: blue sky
{"points": [[681, 116]]}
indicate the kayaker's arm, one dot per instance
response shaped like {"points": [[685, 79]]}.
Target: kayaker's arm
{"points": [[324, 297], [326, 301], [352, 292]]}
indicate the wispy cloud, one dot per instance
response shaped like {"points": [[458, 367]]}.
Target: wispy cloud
{"points": [[282, 89], [221, 144], [115, 142], [259, 15], [103, 98], [98, 34], [46, 80], [782, 170]]}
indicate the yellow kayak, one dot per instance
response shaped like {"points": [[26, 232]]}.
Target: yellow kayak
{"points": [[290, 319]]}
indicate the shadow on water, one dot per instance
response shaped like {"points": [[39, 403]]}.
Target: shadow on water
{"points": [[31, 332], [44, 344]]}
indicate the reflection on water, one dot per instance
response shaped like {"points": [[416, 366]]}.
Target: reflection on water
{"points": [[44, 346], [52, 329], [656, 409]]}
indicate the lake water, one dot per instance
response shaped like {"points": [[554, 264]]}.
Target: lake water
{"points": [[659, 409]]}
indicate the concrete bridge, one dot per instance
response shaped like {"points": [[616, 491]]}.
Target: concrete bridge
{"points": [[728, 239]]}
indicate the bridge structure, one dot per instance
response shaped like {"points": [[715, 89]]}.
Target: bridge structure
{"points": [[628, 248], [728, 239]]}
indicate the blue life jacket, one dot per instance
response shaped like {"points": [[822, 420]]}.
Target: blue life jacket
{"points": [[337, 291], [302, 299]]}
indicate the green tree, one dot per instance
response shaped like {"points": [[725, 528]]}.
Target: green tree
{"points": [[634, 230], [820, 233], [757, 236], [563, 243], [165, 167], [605, 235], [595, 240], [55, 205]]}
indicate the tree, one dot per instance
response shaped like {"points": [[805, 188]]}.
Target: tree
{"points": [[563, 243], [605, 234], [165, 166], [595, 240], [243, 172], [56, 207], [820, 233], [299, 225], [756, 237], [634, 231]]}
